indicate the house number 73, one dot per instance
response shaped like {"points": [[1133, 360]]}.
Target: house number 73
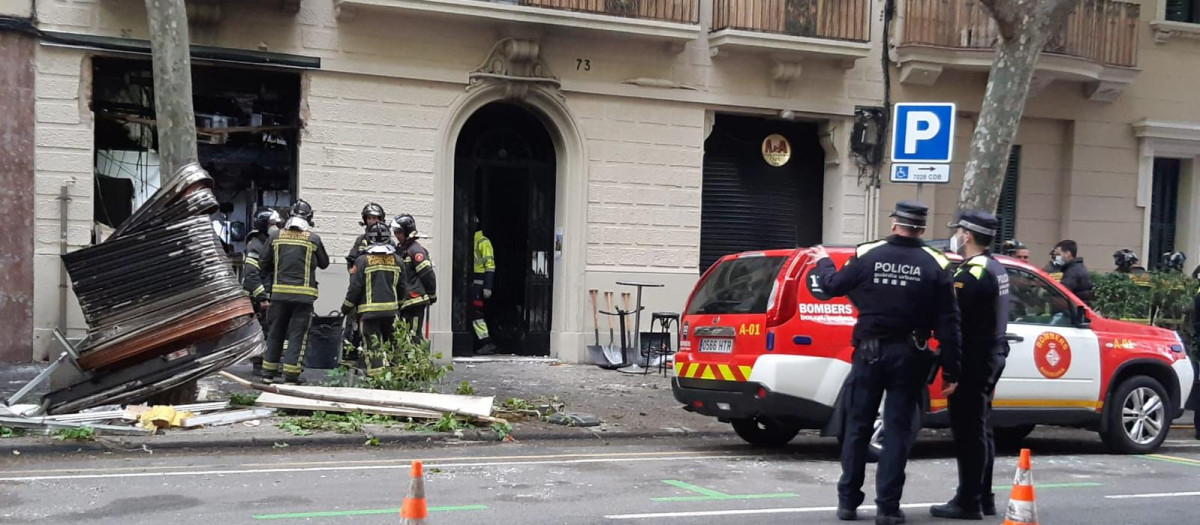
{"points": [[583, 64]]}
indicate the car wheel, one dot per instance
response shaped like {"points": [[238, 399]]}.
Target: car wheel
{"points": [[1009, 438], [765, 432], [1137, 417]]}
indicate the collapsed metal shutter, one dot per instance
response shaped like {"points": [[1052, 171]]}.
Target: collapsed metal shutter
{"points": [[745, 210], [1006, 209]]}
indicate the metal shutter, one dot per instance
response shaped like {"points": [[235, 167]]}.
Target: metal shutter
{"points": [[746, 210], [1006, 209]]}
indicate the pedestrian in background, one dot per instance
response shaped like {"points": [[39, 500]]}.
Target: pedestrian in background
{"points": [[903, 290], [981, 285], [1072, 273]]}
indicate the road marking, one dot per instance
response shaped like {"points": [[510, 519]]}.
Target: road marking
{"points": [[743, 512], [1173, 459], [365, 512], [1156, 495], [405, 461], [1040, 486], [428, 463], [712, 495]]}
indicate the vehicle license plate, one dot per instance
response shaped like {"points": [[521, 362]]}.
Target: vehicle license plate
{"points": [[717, 346]]}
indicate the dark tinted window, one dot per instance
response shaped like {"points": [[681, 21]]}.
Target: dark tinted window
{"points": [[738, 286], [1034, 301]]}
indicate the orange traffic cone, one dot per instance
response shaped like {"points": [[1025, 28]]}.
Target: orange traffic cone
{"points": [[1021, 508], [414, 512]]}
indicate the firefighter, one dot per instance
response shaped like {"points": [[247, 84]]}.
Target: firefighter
{"points": [[981, 285], [1173, 261], [482, 279], [903, 290], [290, 260], [376, 286], [372, 214], [418, 269], [266, 222]]}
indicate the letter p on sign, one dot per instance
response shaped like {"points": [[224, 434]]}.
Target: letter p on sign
{"points": [[923, 132]]}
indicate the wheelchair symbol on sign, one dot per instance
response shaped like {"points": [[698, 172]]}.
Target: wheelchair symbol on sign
{"points": [[901, 173]]}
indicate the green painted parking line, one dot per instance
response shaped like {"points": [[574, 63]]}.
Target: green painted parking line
{"points": [[1040, 486], [712, 495], [364, 512]]}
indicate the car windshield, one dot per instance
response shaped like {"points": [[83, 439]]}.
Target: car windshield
{"points": [[738, 286]]}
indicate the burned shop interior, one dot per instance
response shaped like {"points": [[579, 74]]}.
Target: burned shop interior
{"points": [[247, 124]]}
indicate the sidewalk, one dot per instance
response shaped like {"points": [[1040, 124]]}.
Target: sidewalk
{"points": [[628, 406]]}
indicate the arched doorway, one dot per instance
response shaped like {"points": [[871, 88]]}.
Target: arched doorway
{"points": [[504, 172]]}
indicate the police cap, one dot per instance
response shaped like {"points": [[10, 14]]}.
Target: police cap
{"points": [[910, 213], [979, 222]]}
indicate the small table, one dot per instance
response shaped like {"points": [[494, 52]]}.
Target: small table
{"points": [[637, 320]]}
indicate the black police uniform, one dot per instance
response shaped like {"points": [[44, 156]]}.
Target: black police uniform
{"points": [[254, 284], [291, 258], [422, 286], [375, 290], [901, 288], [981, 285]]}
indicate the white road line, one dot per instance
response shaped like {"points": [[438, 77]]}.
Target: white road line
{"points": [[428, 463], [1157, 495], [743, 512]]}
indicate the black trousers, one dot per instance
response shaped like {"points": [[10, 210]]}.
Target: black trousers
{"points": [[376, 332], [261, 315], [900, 372], [415, 317], [970, 422], [290, 321]]}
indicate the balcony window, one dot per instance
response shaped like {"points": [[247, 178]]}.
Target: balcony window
{"points": [[1187, 11]]}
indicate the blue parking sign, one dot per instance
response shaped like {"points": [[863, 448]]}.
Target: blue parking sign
{"points": [[923, 132]]}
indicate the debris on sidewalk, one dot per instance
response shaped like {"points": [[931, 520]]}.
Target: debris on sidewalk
{"points": [[227, 418], [573, 419], [343, 399], [116, 420], [161, 300], [159, 417]]}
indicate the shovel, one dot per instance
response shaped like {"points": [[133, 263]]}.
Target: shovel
{"points": [[611, 352], [595, 352], [627, 298]]}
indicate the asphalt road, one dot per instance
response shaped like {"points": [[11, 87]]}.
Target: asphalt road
{"points": [[651, 482]]}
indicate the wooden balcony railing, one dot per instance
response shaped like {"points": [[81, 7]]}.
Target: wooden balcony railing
{"points": [[833, 19], [1103, 31], [679, 11]]}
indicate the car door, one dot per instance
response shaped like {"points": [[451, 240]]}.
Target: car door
{"points": [[1054, 364]]}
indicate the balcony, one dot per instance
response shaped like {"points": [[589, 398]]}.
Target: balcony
{"points": [[672, 21], [1096, 47], [837, 30]]}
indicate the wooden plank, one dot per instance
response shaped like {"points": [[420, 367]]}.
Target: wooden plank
{"points": [[472, 405], [268, 399]]}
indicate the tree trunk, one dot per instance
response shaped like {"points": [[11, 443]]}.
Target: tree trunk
{"points": [[1024, 26], [176, 120]]}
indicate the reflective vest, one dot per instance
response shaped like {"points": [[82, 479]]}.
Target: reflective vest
{"points": [[293, 257], [377, 283], [485, 258]]}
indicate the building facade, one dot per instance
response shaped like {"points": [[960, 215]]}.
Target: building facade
{"points": [[598, 141]]}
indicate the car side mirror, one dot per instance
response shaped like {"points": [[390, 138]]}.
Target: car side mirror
{"points": [[1079, 317]]}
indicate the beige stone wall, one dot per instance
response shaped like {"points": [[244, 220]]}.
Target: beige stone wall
{"points": [[63, 158]]}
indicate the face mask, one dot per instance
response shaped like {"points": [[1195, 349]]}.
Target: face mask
{"points": [[957, 244], [1058, 260], [272, 229]]}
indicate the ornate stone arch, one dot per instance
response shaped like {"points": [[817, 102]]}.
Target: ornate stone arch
{"points": [[515, 73]]}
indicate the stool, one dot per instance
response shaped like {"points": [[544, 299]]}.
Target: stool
{"points": [[664, 349]]}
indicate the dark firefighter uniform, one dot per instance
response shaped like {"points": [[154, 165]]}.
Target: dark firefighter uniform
{"points": [[981, 285], [376, 287], [422, 286], [482, 279], [903, 290], [350, 334], [254, 284], [291, 258]]}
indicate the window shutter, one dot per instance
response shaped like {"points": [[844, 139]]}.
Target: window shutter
{"points": [[1006, 209]]}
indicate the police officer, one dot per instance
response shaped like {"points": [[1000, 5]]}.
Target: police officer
{"points": [[290, 259], [376, 286], [418, 269], [981, 283], [266, 222], [903, 290], [482, 279]]}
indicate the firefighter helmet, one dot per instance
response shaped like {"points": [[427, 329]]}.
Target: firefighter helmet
{"points": [[1125, 259], [1174, 261], [302, 209], [373, 210], [265, 218], [1012, 245], [378, 233], [405, 223]]}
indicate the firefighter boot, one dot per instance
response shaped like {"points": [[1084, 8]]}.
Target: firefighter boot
{"points": [[294, 379]]}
